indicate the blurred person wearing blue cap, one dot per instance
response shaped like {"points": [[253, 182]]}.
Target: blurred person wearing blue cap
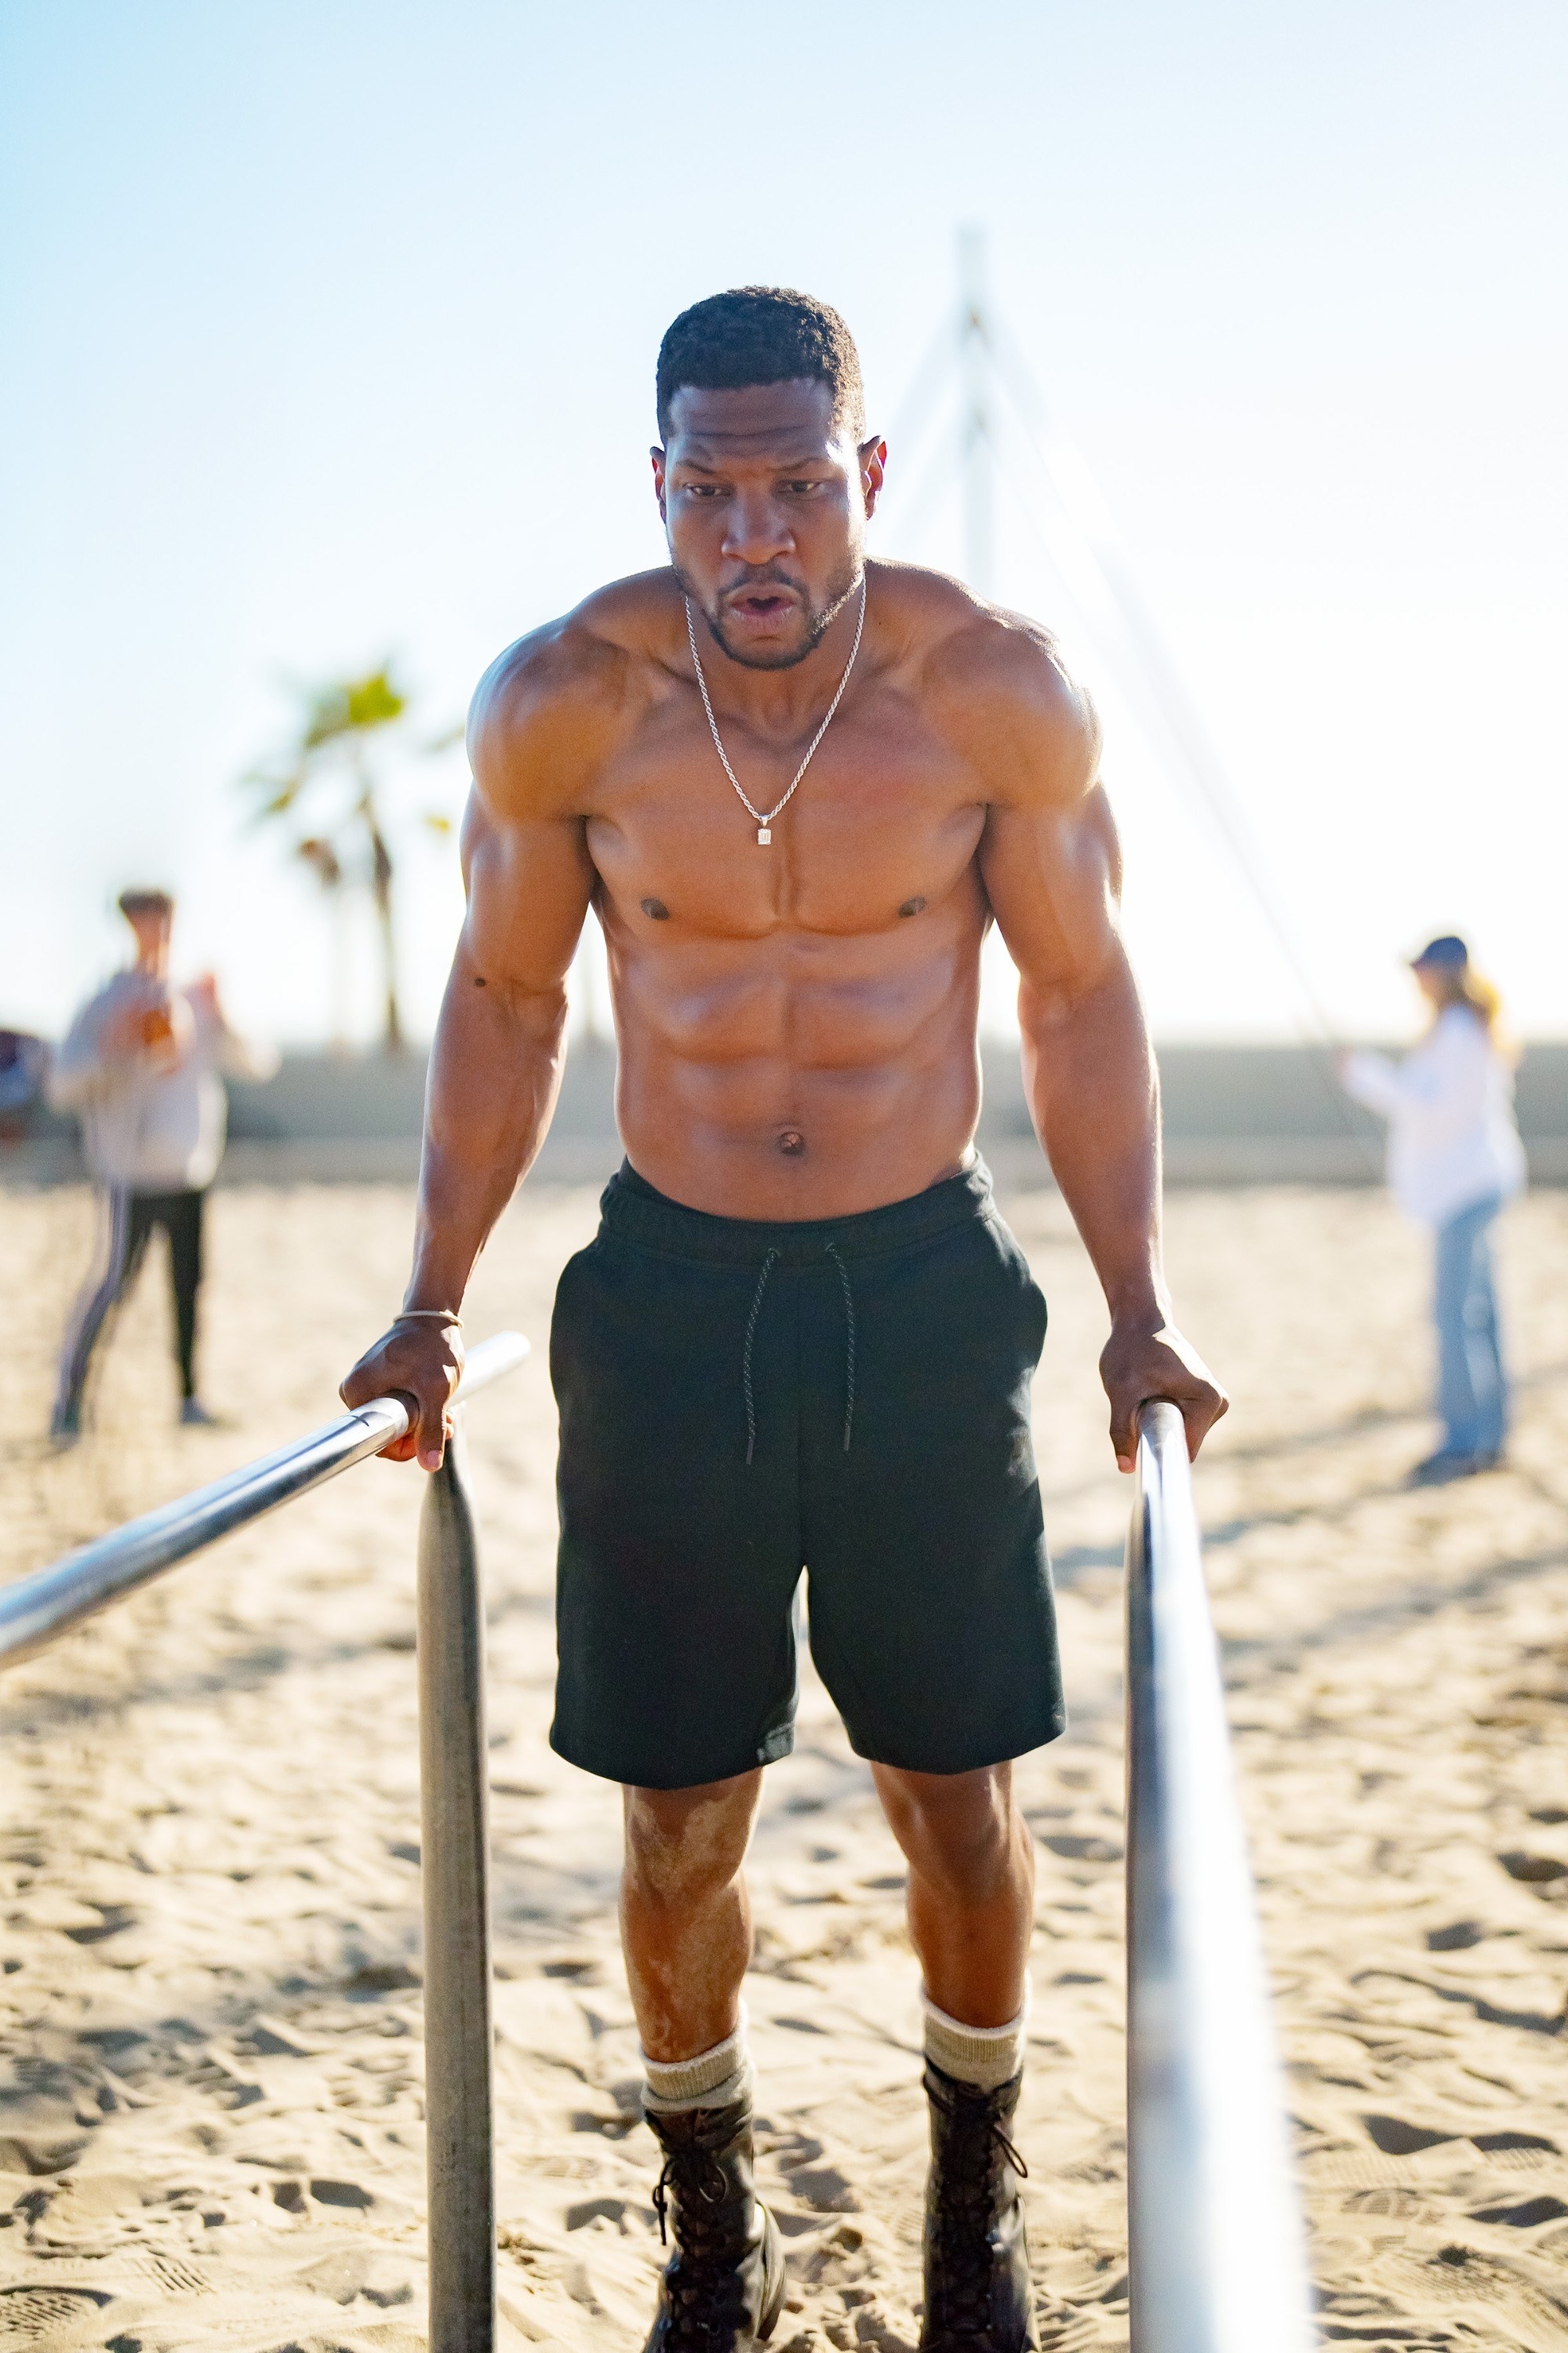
{"points": [[1454, 1159]]}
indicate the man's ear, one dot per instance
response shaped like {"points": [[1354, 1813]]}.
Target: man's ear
{"points": [[873, 472], [657, 455]]}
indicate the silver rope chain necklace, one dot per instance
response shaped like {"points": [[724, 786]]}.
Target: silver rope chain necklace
{"points": [[764, 820]]}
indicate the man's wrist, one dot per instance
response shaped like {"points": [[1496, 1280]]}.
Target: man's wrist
{"points": [[1140, 1311], [430, 1299], [435, 1284]]}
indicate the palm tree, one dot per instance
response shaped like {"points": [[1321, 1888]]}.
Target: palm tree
{"points": [[330, 761]]}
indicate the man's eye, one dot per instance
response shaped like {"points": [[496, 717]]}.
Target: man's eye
{"points": [[702, 489], [803, 489]]}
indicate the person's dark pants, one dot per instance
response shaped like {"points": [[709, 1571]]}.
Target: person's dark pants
{"points": [[132, 1219]]}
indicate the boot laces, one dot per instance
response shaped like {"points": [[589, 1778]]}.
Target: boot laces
{"points": [[692, 2174], [965, 2214], [700, 2283]]}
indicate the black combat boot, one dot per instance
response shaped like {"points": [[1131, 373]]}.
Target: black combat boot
{"points": [[723, 2289], [978, 2294]]}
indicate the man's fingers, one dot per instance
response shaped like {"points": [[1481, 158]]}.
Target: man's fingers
{"points": [[403, 1449], [360, 1385], [421, 1373], [424, 1440], [1142, 1368], [1200, 1414], [1124, 1433], [432, 1434]]}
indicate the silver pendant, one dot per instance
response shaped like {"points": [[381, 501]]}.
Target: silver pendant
{"points": [[764, 835]]}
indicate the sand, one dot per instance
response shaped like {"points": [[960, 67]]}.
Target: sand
{"points": [[210, 2127]]}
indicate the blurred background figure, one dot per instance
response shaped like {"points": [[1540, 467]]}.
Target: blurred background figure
{"points": [[143, 1067], [24, 1065], [1454, 1158]]}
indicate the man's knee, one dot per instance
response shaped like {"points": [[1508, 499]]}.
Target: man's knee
{"points": [[959, 1830], [684, 1844]]}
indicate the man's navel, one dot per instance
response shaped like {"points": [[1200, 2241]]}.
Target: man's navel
{"points": [[792, 1143]]}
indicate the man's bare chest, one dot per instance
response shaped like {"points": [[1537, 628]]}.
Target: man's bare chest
{"points": [[885, 813]]}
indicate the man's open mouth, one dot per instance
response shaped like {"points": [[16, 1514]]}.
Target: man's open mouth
{"points": [[762, 604]]}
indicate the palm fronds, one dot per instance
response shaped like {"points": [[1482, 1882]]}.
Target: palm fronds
{"points": [[328, 763]]}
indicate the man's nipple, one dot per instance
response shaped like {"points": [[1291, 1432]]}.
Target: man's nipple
{"points": [[911, 906], [792, 1141], [657, 908]]}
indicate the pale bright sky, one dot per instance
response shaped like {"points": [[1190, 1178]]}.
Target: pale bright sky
{"points": [[329, 332]]}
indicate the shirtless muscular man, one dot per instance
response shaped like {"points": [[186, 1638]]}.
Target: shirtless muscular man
{"points": [[803, 1337]]}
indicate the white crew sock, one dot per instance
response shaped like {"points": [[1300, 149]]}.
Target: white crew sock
{"points": [[985, 2056], [713, 2079]]}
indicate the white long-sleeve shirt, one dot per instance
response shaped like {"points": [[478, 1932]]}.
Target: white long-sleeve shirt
{"points": [[1452, 1137], [153, 1118]]}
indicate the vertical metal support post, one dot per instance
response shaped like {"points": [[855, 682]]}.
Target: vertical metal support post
{"points": [[454, 1805], [974, 345]]}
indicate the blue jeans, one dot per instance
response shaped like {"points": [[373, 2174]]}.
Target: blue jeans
{"points": [[1472, 1387]]}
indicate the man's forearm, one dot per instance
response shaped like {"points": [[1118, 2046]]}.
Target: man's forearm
{"points": [[496, 1072], [1093, 1093]]}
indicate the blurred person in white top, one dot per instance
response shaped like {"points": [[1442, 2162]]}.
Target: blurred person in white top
{"points": [[1454, 1159], [143, 1067]]}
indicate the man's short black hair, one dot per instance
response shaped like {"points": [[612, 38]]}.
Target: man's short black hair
{"points": [[143, 900], [761, 334]]}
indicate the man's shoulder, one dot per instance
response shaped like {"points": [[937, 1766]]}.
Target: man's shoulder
{"points": [[561, 695], [995, 679], [588, 655]]}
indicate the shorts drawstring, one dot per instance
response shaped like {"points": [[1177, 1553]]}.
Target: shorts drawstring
{"points": [[849, 1342], [768, 1265], [747, 1391]]}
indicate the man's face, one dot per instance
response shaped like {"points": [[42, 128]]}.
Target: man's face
{"points": [[764, 508]]}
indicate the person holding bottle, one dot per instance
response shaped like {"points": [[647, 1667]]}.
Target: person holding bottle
{"points": [[143, 1067]]}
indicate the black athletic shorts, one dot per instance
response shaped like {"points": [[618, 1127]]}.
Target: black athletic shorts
{"points": [[741, 1401]]}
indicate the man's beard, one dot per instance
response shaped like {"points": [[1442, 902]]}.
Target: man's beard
{"points": [[820, 619]]}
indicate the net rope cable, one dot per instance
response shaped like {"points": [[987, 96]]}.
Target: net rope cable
{"points": [[1085, 554]]}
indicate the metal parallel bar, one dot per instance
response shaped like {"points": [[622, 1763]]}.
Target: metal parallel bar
{"points": [[1214, 2228], [455, 1785], [36, 1609], [454, 1800]]}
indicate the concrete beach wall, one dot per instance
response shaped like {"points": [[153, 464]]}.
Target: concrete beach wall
{"points": [[1234, 1114]]}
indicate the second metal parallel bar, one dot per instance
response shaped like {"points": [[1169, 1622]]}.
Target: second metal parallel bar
{"points": [[1216, 2263]]}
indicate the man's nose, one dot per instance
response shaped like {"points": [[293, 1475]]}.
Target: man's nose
{"points": [[756, 531]]}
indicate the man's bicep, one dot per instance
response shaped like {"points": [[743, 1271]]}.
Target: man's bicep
{"points": [[529, 881], [1052, 877]]}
